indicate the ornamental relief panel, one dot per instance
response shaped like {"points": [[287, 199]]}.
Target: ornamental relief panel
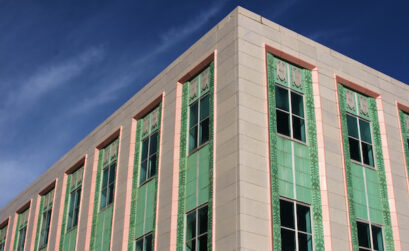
{"points": [[145, 125], [363, 105], [281, 70], [407, 123], [349, 96], [205, 80], [193, 88], [296, 77], [155, 115]]}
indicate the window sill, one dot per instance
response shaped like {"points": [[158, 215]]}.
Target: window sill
{"points": [[147, 181], [198, 148], [71, 229], [292, 139], [362, 164], [105, 208]]}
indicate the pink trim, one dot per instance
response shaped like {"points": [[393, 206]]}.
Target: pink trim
{"points": [[61, 213], [14, 220], [175, 179], [81, 199], [388, 174], [159, 172], [343, 164], [6, 224], [399, 106], [52, 213], [321, 161], [214, 220], [128, 197], [118, 160], [270, 206], [36, 209]]}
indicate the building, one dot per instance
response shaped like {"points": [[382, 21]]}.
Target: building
{"points": [[255, 137]]}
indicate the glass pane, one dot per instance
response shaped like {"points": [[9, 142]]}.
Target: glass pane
{"points": [[111, 193], [103, 198], [365, 129], [367, 154], [352, 126], [297, 104], [354, 149], [191, 245], [204, 132], [283, 123], [287, 214], [22, 239], [139, 245], [152, 166], [299, 128], [193, 138], [287, 240], [148, 243], [204, 107], [191, 225], [282, 101], [112, 174], [71, 210], [193, 115], [142, 174], [202, 220], [363, 234], [377, 238], [202, 245], [105, 178], [145, 144], [304, 242], [408, 142], [304, 218], [154, 144], [77, 207]]}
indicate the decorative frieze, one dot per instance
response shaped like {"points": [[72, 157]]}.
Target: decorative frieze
{"points": [[204, 84], [155, 116], [281, 70], [363, 105], [350, 100], [296, 77], [145, 127], [193, 88]]}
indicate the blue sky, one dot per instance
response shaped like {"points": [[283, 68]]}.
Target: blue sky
{"points": [[65, 66]]}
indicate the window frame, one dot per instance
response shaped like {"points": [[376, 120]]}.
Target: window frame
{"points": [[143, 239], [75, 196], [290, 113], [148, 161], [21, 241], [198, 123], [370, 224], [45, 228], [296, 230], [360, 141], [107, 188], [3, 236], [196, 236]]}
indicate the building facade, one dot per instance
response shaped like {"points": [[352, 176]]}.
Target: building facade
{"points": [[256, 138]]}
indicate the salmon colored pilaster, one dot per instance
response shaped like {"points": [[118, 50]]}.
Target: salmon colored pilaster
{"points": [[267, 138], [343, 163], [159, 173], [61, 212], [321, 161], [82, 197], [118, 162], [13, 221], [88, 224], [52, 227], [36, 209], [404, 108], [175, 178], [214, 149], [129, 177], [388, 174]]}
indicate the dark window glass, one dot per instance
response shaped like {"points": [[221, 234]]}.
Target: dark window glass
{"points": [[352, 126], [283, 123], [193, 138], [21, 239], [45, 228], [191, 226], [298, 128], [153, 144], [354, 149], [152, 166], [74, 208], [202, 246], [196, 229], [199, 123], [149, 157], [287, 214], [144, 243], [194, 114], [2, 246], [144, 167], [111, 183], [108, 184], [408, 142], [305, 242], [281, 95], [139, 245], [204, 131], [148, 242], [377, 238], [204, 107], [287, 240], [297, 104], [363, 234], [303, 218], [365, 130], [202, 220], [145, 145], [367, 154]]}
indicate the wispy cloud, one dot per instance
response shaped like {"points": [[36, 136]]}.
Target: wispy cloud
{"points": [[50, 77]]}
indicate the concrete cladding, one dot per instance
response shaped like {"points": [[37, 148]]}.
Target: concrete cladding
{"points": [[255, 138]]}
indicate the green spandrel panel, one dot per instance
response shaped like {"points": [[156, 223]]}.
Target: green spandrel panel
{"points": [[285, 174], [286, 189], [376, 216], [140, 210], [204, 176], [300, 151], [361, 211], [303, 179], [69, 240], [150, 207], [304, 194]]}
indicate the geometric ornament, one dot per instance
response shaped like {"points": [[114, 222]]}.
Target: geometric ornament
{"points": [[155, 115], [145, 125], [205, 80], [281, 70], [193, 88], [363, 105], [296, 76], [407, 123], [349, 96]]}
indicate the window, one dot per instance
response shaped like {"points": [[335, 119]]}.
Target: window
{"points": [[199, 123], [144, 243], [149, 157], [196, 229], [296, 232], [45, 228], [369, 236], [360, 140], [75, 197], [290, 113], [108, 184], [3, 231], [21, 238]]}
